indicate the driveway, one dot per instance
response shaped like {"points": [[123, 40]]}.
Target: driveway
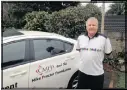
{"points": [[107, 79]]}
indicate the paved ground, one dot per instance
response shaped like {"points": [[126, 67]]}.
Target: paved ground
{"points": [[107, 79]]}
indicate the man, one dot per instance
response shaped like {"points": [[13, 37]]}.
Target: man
{"points": [[92, 47]]}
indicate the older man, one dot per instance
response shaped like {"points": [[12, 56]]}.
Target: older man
{"points": [[92, 47]]}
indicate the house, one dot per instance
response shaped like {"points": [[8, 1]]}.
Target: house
{"points": [[115, 29], [115, 26]]}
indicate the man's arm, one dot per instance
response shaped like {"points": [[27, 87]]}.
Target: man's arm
{"points": [[108, 48]]}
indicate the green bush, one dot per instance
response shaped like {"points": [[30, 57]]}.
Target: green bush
{"points": [[69, 22], [66, 22], [36, 21]]}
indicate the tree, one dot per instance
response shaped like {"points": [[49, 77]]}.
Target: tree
{"points": [[17, 10], [36, 20], [69, 22], [6, 19], [21, 8], [116, 8]]}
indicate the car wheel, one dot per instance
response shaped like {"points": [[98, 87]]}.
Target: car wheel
{"points": [[73, 82]]}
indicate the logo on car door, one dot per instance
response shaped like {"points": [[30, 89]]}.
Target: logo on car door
{"points": [[40, 70]]}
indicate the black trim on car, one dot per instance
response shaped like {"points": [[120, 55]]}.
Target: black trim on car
{"points": [[27, 50], [31, 50]]}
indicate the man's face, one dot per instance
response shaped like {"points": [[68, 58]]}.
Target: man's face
{"points": [[92, 26]]}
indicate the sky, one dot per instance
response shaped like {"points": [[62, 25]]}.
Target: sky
{"points": [[100, 4]]}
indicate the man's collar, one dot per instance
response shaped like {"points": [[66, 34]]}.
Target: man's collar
{"points": [[86, 33]]}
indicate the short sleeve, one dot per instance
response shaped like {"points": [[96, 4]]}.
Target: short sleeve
{"points": [[108, 47]]}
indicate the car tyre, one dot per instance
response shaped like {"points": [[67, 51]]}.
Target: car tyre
{"points": [[73, 81]]}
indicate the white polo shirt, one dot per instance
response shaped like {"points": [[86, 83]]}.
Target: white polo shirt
{"points": [[92, 53]]}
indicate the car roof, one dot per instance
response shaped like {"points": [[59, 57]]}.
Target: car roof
{"points": [[19, 33], [16, 32], [38, 33], [23, 33]]}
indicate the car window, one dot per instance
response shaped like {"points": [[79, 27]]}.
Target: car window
{"points": [[58, 47], [40, 47], [46, 48], [13, 53], [68, 47]]}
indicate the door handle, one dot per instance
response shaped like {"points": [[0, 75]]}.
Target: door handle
{"points": [[20, 73], [69, 58]]}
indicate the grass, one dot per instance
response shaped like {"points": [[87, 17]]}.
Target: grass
{"points": [[120, 80]]}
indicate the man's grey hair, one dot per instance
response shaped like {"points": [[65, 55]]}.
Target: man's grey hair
{"points": [[92, 18]]}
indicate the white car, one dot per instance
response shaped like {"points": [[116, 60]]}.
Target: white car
{"points": [[39, 60]]}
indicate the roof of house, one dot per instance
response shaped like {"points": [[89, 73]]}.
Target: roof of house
{"points": [[114, 23]]}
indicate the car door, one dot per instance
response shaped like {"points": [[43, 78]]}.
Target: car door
{"points": [[15, 65], [50, 67]]}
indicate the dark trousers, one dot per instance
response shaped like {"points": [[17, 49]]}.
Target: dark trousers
{"points": [[90, 82]]}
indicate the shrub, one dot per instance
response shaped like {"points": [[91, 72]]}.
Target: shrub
{"points": [[36, 21], [69, 22]]}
